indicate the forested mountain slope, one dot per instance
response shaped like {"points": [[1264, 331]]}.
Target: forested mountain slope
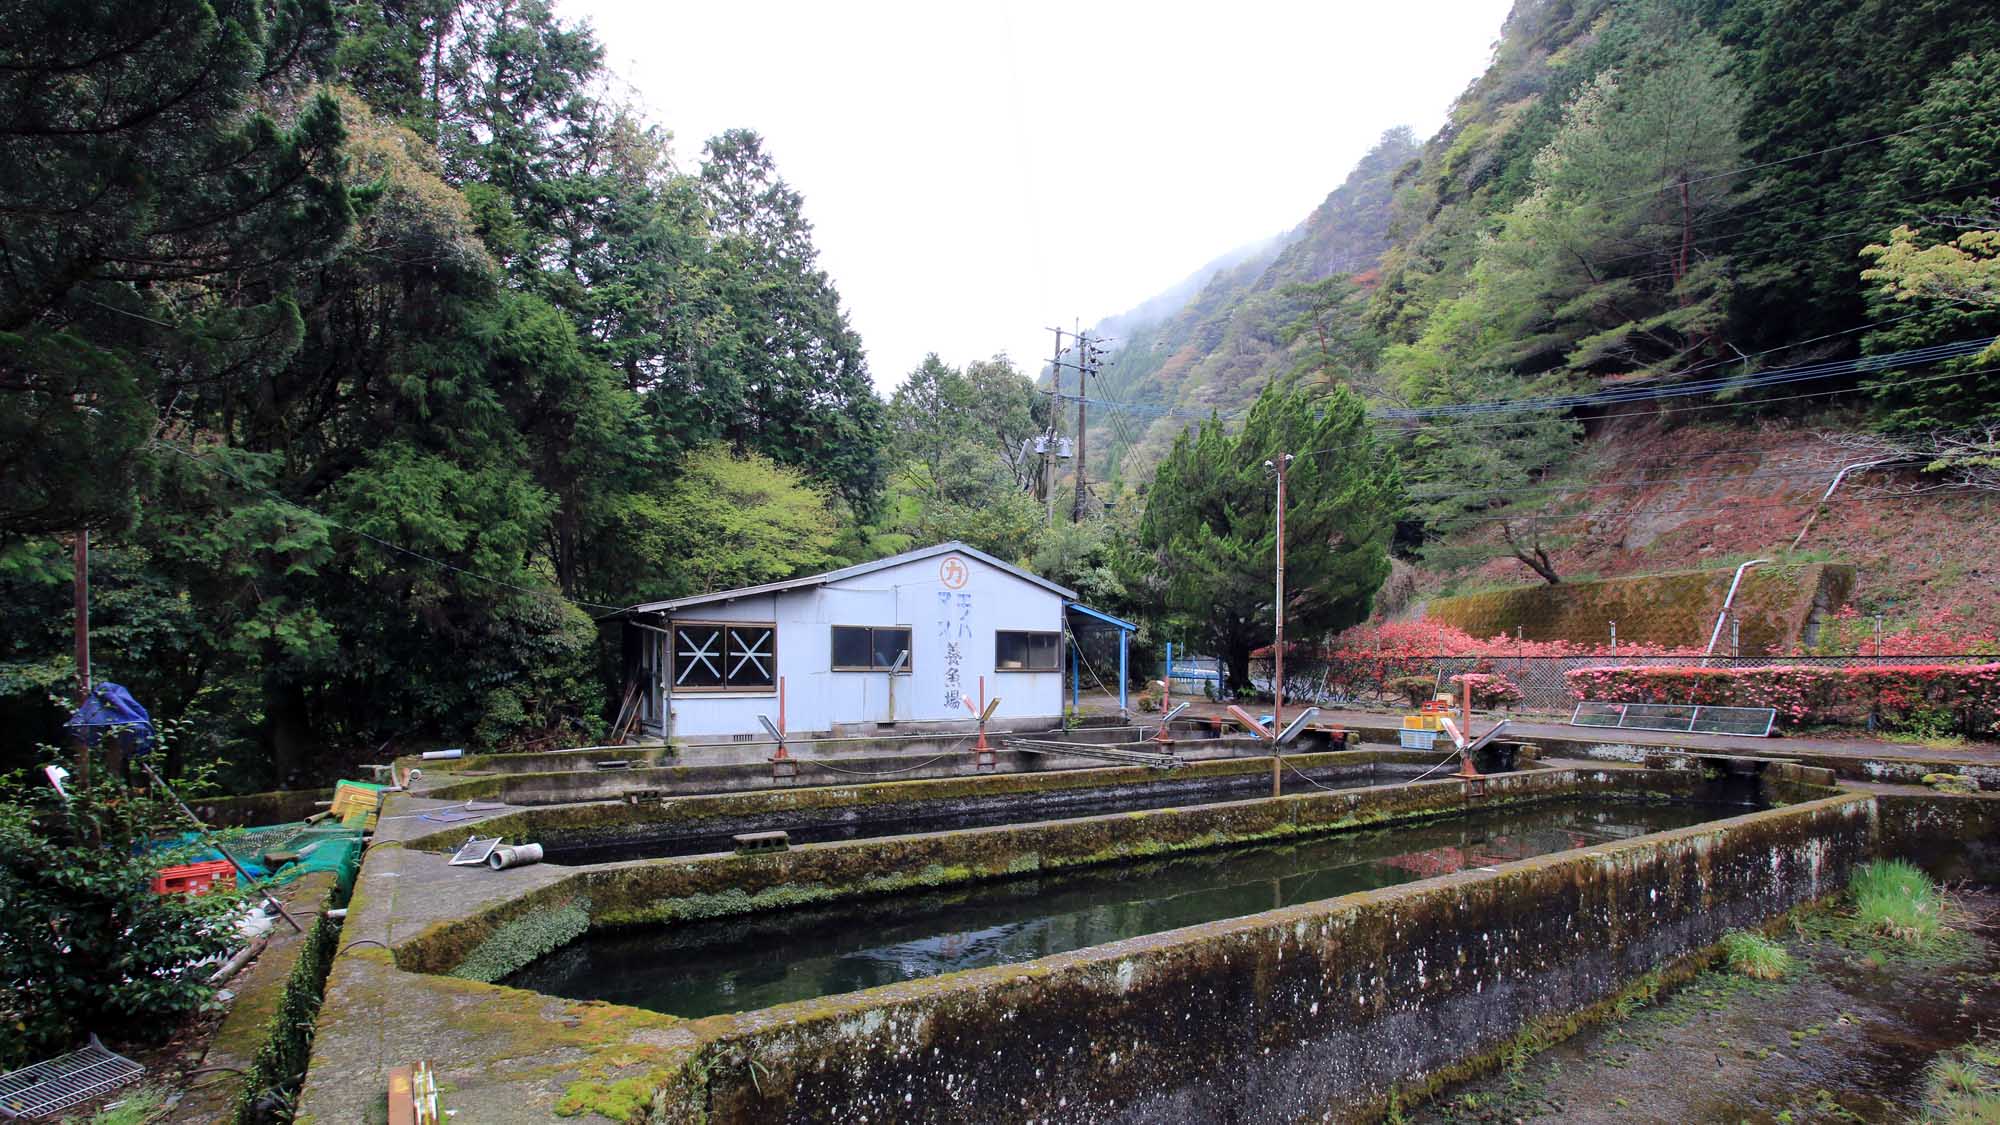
{"points": [[1240, 329], [1636, 196]]}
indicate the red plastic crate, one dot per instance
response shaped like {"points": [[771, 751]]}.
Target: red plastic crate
{"points": [[195, 878]]}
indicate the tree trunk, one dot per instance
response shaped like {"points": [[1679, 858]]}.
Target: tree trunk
{"points": [[1236, 665], [1538, 561]]}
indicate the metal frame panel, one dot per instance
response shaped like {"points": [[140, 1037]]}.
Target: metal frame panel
{"points": [[1676, 718], [65, 1081]]}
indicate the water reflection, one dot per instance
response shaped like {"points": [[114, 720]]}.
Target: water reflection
{"points": [[740, 964]]}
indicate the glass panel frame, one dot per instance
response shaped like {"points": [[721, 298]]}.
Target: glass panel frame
{"points": [[1018, 650], [877, 645]]}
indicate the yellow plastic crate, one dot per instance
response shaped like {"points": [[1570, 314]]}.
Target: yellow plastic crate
{"points": [[356, 804]]}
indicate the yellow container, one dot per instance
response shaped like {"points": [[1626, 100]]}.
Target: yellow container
{"points": [[356, 804]]}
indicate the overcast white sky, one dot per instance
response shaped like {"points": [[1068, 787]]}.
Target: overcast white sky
{"points": [[977, 173]]}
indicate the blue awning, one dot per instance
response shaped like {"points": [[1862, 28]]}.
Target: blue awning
{"points": [[1117, 622]]}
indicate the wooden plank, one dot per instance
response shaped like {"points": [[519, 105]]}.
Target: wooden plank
{"points": [[402, 1096]]}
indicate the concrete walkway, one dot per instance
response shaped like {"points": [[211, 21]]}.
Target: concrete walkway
{"points": [[1380, 726]]}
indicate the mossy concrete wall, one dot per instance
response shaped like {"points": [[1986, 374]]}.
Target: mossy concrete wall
{"points": [[1035, 795], [255, 1027], [1955, 837], [1320, 1011], [1251, 1019], [580, 783], [695, 887], [1774, 605]]}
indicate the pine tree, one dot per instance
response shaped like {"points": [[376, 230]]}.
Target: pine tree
{"points": [[1207, 541]]}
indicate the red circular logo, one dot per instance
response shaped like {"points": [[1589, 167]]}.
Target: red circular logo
{"points": [[953, 572]]}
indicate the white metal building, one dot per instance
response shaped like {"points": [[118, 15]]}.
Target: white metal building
{"points": [[911, 639]]}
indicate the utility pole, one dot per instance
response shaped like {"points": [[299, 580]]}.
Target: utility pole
{"points": [[1083, 366], [1282, 462], [1054, 436], [82, 591]]}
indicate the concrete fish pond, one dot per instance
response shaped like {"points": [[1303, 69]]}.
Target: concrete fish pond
{"points": [[1317, 1003], [740, 963], [648, 828]]}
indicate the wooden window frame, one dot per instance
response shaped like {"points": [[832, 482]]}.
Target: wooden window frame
{"points": [[1056, 633], [675, 687], [907, 664]]}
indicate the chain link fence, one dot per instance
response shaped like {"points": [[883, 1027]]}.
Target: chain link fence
{"points": [[1358, 680]]}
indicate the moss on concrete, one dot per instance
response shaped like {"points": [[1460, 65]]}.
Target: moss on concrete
{"points": [[1667, 609], [610, 818], [514, 943], [694, 888]]}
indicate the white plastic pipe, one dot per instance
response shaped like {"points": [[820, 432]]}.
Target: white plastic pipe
{"points": [[517, 855], [1727, 601]]}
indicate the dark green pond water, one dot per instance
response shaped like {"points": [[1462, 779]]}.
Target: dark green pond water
{"points": [[755, 961]]}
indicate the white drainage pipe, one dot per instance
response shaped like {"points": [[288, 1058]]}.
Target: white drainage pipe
{"points": [[517, 855]]}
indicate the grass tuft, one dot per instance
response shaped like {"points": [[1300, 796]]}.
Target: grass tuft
{"points": [[1962, 1087], [136, 1108], [1754, 955], [1896, 899]]}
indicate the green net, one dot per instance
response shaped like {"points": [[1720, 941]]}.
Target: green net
{"points": [[283, 852]]}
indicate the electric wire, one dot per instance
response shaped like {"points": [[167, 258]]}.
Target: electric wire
{"points": [[1554, 486], [1942, 490], [1654, 390]]}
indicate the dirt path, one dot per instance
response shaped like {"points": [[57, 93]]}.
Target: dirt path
{"points": [[1845, 1037]]}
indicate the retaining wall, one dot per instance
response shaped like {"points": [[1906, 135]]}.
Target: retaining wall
{"points": [[1777, 605], [580, 781], [1035, 795], [1318, 1011]]}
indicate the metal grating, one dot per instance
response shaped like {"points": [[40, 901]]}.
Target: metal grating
{"points": [[1092, 750], [474, 851], [1675, 717], [61, 1083]]}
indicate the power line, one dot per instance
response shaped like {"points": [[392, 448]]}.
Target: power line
{"points": [[375, 539], [1935, 353], [1942, 490], [1809, 471], [1913, 381]]}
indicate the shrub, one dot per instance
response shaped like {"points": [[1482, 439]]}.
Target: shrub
{"points": [[1417, 689], [1755, 956], [1924, 697], [85, 944], [1488, 689]]}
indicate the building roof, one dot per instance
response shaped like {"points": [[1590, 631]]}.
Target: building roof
{"points": [[854, 571]]}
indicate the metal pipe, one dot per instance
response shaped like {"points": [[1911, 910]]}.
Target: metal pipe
{"points": [[1727, 601], [242, 957], [1828, 495]]}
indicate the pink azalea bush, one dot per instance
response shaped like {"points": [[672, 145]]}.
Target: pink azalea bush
{"points": [[1908, 696], [1849, 632], [1488, 689], [1367, 657]]}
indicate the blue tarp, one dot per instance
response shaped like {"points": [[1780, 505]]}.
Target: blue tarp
{"points": [[112, 710]]}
